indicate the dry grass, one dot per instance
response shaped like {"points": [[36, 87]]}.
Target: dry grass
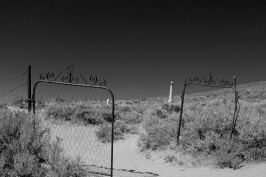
{"points": [[205, 128]]}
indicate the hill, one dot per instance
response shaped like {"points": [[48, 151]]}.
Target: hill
{"points": [[146, 132]]}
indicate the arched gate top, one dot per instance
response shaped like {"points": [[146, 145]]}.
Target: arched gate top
{"points": [[71, 76], [211, 81]]}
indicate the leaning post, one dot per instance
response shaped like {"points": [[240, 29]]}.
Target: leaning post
{"points": [[181, 112], [234, 118]]}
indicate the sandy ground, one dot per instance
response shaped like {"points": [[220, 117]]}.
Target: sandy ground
{"points": [[127, 156], [80, 140]]}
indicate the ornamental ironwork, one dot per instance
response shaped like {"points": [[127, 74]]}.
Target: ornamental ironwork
{"points": [[71, 76], [210, 80]]}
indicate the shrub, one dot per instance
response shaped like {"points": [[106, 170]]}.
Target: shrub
{"points": [[207, 132], [210, 119], [171, 108], [60, 112], [25, 149], [159, 113], [105, 131], [170, 158], [60, 100], [158, 132], [40, 104], [131, 118], [124, 109], [61, 166], [129, 114], [90, 116], [3, 105], [107, 117], [21, 144]]}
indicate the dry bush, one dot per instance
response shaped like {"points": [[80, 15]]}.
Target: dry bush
{"points": [[26, 149], [79, 112], [159, 132], [105, 131], [205, 132]]}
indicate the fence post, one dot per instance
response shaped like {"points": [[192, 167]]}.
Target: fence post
{"points": [[29, 88], [181, 112], [234, 118], [171, 92]]}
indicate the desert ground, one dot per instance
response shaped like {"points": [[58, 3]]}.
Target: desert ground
{"points": [[130, 161], [127, 156]]}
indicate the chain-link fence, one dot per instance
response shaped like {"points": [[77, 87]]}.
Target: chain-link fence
{"points": [[80, 117], [207, 109], [208, 104]]}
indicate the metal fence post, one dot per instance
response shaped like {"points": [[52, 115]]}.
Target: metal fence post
{"points": [[234, 118], [181, 111], [29, 88], [113, 132]]}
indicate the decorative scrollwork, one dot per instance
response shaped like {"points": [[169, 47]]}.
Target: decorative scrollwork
{"points": [[210, 80], [71, 77]]}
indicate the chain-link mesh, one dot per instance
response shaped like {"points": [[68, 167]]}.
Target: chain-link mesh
{"points": [[81, 118], [205, 106]]}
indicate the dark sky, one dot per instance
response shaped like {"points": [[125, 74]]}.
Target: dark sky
{"points": [[137, 46]]}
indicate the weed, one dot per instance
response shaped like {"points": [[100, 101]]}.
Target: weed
{"points": [[171, 108], [170, 158], [158, 132], [105, 131]]}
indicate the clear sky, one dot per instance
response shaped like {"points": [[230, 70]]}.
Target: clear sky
{"points": [[137, 46]]}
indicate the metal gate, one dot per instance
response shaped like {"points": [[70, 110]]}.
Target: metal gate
{"points": [[211, 81], [80, 116]]}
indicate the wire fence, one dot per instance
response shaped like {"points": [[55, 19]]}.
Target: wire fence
{"points": [[12, 90], [16, 92], [205, 109], [80, 117], [207, 104], [16, 77]]}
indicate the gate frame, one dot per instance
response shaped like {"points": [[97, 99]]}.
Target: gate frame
{"points": [[71, 80], [210, 81]]}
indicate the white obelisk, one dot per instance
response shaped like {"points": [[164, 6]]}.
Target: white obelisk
{"points": [[171, 92]]}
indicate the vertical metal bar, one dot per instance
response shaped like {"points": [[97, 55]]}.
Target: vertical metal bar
{"points": [[33, 101], [234, 118], [181, 111], [29, 89], [112, 142], [33, 96]]}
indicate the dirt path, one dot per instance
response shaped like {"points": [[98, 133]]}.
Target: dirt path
{"points": [[80, 140], [127, 156]]}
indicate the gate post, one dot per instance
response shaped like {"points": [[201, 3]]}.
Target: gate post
{"points": [[234, 118], [29, 88], [181, 112]]}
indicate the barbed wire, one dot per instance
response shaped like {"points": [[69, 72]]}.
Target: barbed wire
{"points": [[10, 91], [5, 78]]}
